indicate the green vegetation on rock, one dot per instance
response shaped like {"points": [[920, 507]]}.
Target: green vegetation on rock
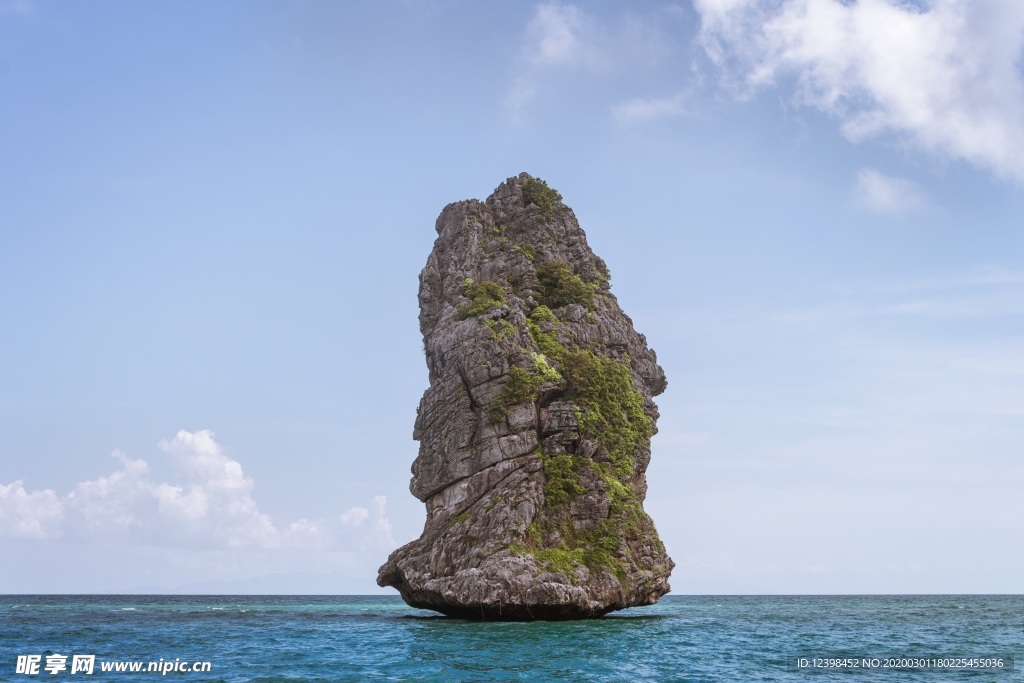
{"points": [[500, 329], [559, 286], [542, 314], [545, 371], [536, 191], [522, 386], [597, 549], [483, 297], [614, 414], [527, 250], [612, 409], [562, 478], [610, 412]]}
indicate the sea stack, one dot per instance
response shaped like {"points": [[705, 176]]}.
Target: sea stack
{"points": [[535, 430]]}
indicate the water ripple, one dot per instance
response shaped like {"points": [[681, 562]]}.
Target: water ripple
{"points": [[378, 638]]}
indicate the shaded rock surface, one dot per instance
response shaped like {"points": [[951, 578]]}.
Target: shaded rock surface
{"points": [[535, 431]]}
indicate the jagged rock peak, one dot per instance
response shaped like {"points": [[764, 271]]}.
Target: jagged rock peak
{"points": [[535, 430]]}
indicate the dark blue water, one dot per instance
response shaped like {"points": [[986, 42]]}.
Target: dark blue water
{"points": [[375, 638]]}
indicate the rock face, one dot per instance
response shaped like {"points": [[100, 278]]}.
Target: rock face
{"points": [[535, 431]]}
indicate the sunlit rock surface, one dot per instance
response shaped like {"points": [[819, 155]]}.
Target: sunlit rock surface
{"points": [[535, 431]]}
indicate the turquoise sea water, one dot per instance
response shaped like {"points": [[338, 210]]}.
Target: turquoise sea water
{"points": [[379, 638]]}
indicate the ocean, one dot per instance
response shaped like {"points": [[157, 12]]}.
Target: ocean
{"points": [[378, 638]]}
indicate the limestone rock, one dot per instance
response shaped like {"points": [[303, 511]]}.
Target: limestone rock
{"points": [[535, 431]]}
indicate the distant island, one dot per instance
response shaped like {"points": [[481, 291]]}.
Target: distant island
{"points": [[535, 431]]}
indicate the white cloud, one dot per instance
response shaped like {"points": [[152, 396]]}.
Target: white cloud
{"points": [[562, 38], [945, 78], [111, 503], [355, 516], [887, 194], [382, 525], [369, 529], [203, 460], [210, 505], [519, 95], [28, 515], [555, 37], [647, 109], [306, 534], [219, 497], [176, 503]]}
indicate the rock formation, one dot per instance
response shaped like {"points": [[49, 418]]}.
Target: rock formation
{"points": [[535, 431]]}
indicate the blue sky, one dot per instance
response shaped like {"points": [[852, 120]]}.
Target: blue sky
{"points": [[212, 219]]}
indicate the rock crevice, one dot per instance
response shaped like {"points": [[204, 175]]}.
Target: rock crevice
{"points": [[535, 430]]}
